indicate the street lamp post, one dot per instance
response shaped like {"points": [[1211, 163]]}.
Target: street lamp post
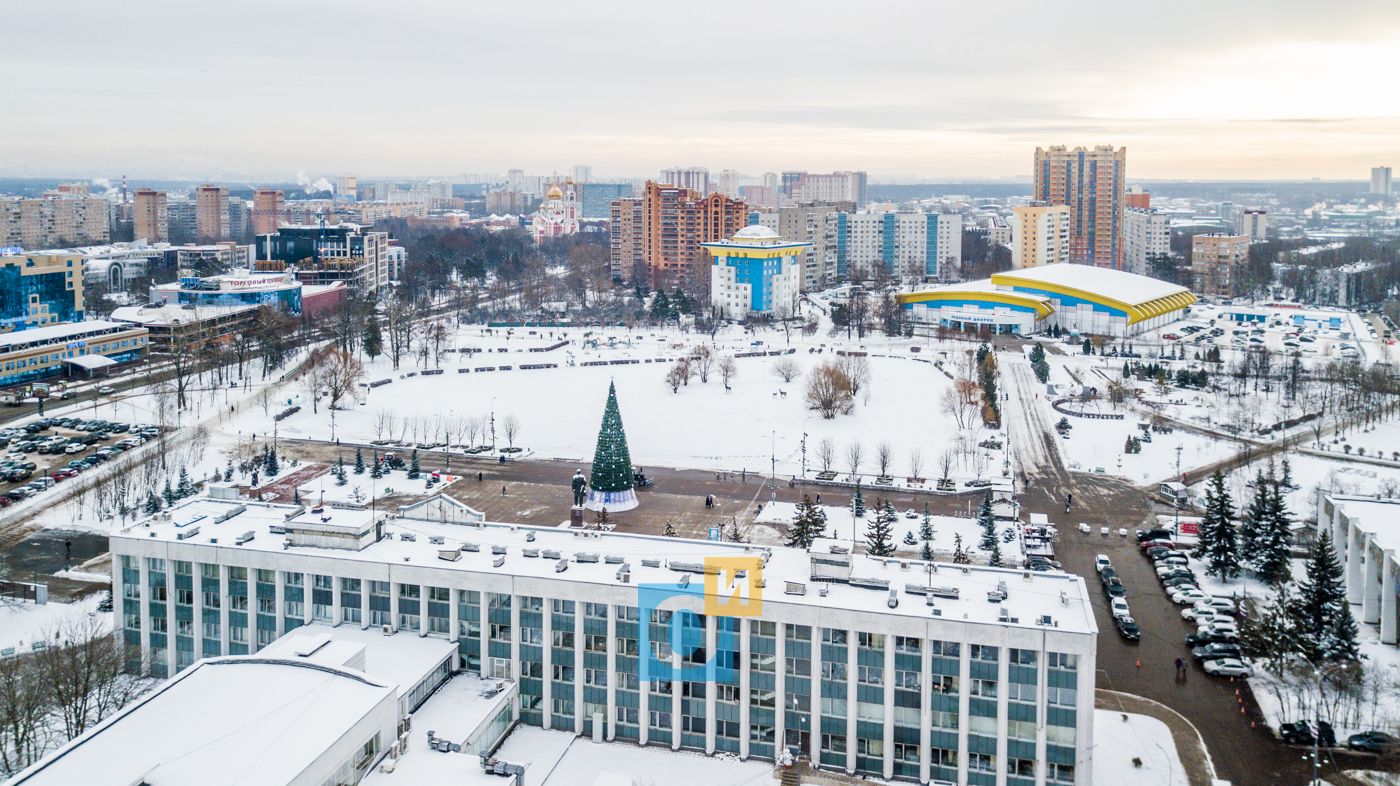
{"points": [[773, 468], [493, 424]]}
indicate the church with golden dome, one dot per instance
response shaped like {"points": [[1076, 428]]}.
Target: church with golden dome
{"points": [[558, 214]]}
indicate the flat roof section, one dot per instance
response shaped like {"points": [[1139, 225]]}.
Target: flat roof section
{"points": [[1138, 296], [61, 331]]}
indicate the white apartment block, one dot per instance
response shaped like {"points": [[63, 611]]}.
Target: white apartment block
{"points": [[878, 667], [1146, 233], [1039, 235], [914, 246], [1253, 223]]}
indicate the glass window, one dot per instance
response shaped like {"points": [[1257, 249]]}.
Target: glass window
{"points": [[294, 580], [832, 636], [984, 652]]}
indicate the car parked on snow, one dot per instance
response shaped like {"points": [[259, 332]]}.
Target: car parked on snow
{"points": [[1227, 667], [1372, 742], [1128, 629]]}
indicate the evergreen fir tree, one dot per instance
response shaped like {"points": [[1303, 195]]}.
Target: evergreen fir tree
{"points": [[359, 462], [376, 470], [152, 506], [926, 536], [372, 339], [1088, 348], [858, 503], [1286, 480], [612, 462], [987, 521], [168, 493], [1255, 519], [670, 531], [270, 465], [1325, 629], [995, 558], [228, 472], [808, 525], [415, 470], [340, 477], [1217, 544], [296, 496], [879, 536], [959, 556], [1272, 562], [184, 488], [909, 539], [661, 306]]}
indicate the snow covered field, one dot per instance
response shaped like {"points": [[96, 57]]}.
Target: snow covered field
{"points": [[702, 426], [946, 529], [1120, 738], [22, 624]]}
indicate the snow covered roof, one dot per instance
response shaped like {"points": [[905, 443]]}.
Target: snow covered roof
{"points": [[91, 362], [167, 314], [401, 660], [1375, 517], [756, 232], [530, 566], [223, 721], [65, 330], [1141, 297]]}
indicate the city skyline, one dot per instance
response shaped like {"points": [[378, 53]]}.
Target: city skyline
{"points": [[1262, 92]]}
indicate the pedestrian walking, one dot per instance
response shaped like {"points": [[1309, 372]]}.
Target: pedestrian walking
{"points": [[479, 477], [503, 490]]}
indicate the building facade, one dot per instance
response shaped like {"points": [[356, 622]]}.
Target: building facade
{"points": [[675, 222], [1093, 184], [913, 246], [1146, 234], [1100, 302], [1039, 235], [32, 355], [559, 214], [755, 272], [151, 216], [325, 254], [596, 198], [1253, 224], [37, 290], [695, 178], [54, 222], [1215, 263], [867, 666], [627, 240], [238, 288], [211, 220], [1380, 180], [1363, 533], [268, 205], [834, 187]]}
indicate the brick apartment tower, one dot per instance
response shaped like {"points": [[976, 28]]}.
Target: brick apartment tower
{"points": [[151, 216], [268, 205], [1093, 184], [211, 213], [675, 221]]}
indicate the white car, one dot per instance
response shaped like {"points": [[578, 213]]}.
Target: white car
{"points": [[1219, 604], [1119, 607], [1163, 570], [1207, 617], [1190, 595], [105, 389], [1222, 628], [1102, 561], [1227, 667]]}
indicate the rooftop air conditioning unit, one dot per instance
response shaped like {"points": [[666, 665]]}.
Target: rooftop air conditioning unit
{"points": [[388, 630]]}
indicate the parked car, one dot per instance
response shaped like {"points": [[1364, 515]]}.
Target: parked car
{"points": [[1153, 534], [1218, 627], [1102, 561], [1215, 651], [1106, 574], [105, 389], [1183, 596], [1128, 629], [1115, 589], [76, 447], [1303, 733], [1220, 604], [1372, 742], [1194, 640], [1227, 667], [1119, 608]]}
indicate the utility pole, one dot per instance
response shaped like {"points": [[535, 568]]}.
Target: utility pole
{"points": [[773, 469]]}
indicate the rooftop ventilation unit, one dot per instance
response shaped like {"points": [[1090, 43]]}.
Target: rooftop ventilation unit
{"points": [[498, 549], [612, 559], [470, 547], [530, 552], [624, 573], [187, 534], [651, 563], [530, 537], [794, 588], [875, 584], [499, 561], [451, 555], [999, 594], [244, 538], [581, 557], [824, 590], [549, 554], [560, 566], [684, 580], [894, 598], [228, 514], [408, 536], [436, 540]]}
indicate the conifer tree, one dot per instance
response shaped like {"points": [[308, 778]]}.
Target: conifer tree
{"points": [[376, 470], [1218, 546], [1255, 519], [909, 539], [808, 525], [415, 470], [879, 536], [611, 477], [168, 494], [184, 488], [959, 556], [296, 496], [340, 477], [359, 462], [270, 466], [372, 340], [994, 559], [152, 506], [987, 521], [228, 472], [858, 503], [1272, 561], [1321, 615], [1286, 479]]}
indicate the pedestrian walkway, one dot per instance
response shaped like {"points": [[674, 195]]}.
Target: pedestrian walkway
{"points": [[1200, 770]]}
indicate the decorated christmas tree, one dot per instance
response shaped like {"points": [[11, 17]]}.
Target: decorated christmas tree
{"points": [[610, 485]]}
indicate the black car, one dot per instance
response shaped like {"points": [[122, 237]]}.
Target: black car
{"points": [[1153, 534], [1115, 588], [1215, 651], [1372, 742], [1127, 628], [120, 428], [1300, 733], [1106, 574], [1200, 640]]}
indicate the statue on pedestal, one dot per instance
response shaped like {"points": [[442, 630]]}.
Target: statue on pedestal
{"points": [[580, 486]]}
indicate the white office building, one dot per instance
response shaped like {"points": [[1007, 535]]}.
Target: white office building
{"points": [[910, 246], [1367, 541], [1380, 180], [880, 667]]}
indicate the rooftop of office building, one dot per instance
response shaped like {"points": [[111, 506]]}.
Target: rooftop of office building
{"points": [[828, 576]]}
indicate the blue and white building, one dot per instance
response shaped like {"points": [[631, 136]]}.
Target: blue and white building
{"points": [[239, 288], [754, 272], [913, 246]]}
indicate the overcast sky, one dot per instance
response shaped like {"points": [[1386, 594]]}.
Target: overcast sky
{"points": [[259, 89]]}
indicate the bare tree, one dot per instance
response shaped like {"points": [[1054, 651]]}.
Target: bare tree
{"points": [[703, 361], [787, 368], [25, 705], [946, 459], [826, 453], [383, 424], [510, 424], [473, 426], [339, 372], [83, 672], [854, 454], [676, 376], [728, 369], [916, 464], [437, 336], [884, 456], [857, 370], [783, 315], [829, 391]]}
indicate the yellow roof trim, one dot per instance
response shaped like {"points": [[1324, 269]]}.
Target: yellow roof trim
{"points": [[1042, 307]]}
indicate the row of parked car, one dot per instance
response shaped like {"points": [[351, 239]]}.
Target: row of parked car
{"points": [[22, 441]]}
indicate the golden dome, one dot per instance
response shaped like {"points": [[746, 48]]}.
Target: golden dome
{"points": [[555, 193]]}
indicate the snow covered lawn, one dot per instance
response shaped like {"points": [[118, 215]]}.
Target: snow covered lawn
{"points": [[22, 624], [840, 523], [1134, 749]]}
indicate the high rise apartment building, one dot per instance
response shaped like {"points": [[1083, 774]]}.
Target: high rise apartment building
{"points": [[1216, 260], [675, 221], [627, 255], [508, 202], [910, 246], [326, 254], [807, 224], [151, 216], [582, 173], [54, 222], [515, 180], [211, 213], [1146, 234], [1253, 223], [790, 179], [268, 204], [835, 187], [695, 178], [1380, 180], [1039, 235], [729, 183], [346, 188], [1093, 184]]}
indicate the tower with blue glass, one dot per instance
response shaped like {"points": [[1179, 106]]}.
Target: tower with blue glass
{"points": [[754, 272]]}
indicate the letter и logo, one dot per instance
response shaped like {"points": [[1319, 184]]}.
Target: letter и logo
{"points": [[732, 586]]}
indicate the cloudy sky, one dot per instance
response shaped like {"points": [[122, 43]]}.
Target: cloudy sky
{"points": [[261, 89]]}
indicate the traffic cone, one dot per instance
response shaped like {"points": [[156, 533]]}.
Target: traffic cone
{"points": [[1139, 663], [1251, 724], [1237, 691], [1241, 710]]}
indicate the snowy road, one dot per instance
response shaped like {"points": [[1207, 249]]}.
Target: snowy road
{"points": [[1030, 434]]}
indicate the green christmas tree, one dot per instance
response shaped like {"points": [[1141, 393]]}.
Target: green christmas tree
{"points": [[296, 496], [152, 506], [808, 525], [1217, 544], [926, 535], [1321, 616], [372, 339], [858, 503], [415, 470], [987, 521], [359, 462], [1272, 561], [340, 477], [270, 464], [184, 488], [168, 493], [994, 559], [376, 470], [612, 464], [879, 536]]}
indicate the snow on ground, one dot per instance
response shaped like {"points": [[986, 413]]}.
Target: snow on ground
{"points": [[840, 523], [22, 624], [619, 764], [1120, 738], [1382, 441], [1376, 704], [360, 489], [559, 409], [1309, 473]]}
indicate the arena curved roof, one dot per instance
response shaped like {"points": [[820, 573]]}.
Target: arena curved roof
{"points": [[1139, 297], [982, 291]]}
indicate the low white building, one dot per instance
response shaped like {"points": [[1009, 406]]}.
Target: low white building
{"points": [[1366, 534]]}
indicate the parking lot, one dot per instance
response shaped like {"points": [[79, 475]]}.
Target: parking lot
{"points": [[48, 451]]}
